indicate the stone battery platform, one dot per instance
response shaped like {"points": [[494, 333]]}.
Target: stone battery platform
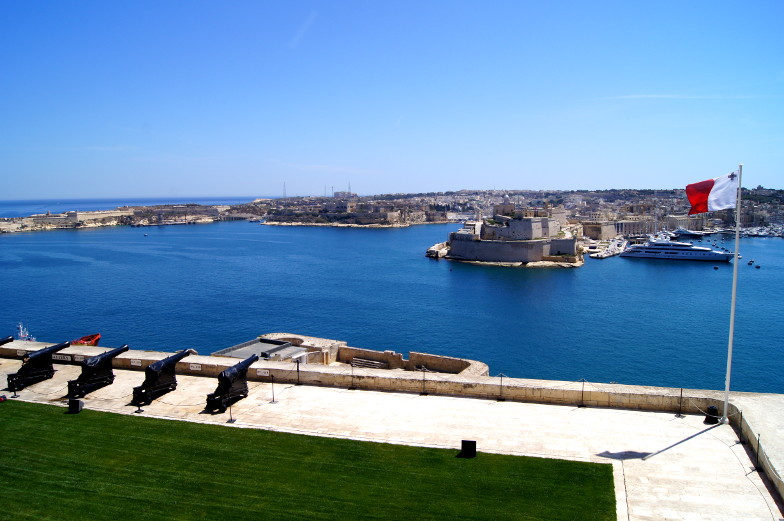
{"points": [[665, 467]]}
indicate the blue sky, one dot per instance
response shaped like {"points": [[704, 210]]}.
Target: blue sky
{"points": [[193, 98]]}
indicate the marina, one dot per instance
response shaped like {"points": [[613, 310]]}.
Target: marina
{"points": [[610, 249]]}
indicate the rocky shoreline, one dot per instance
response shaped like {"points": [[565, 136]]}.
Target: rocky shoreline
{"points": [[347, 225], [536, 264]]}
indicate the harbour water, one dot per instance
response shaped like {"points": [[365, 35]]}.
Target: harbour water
{"points": [[634, 321]]}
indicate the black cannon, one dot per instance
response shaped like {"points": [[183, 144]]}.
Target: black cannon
{"points": [[6, 340], [96, 373], [232, 386], [36, 367], [159, 379]]}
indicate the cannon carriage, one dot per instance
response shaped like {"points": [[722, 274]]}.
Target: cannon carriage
{"points": [[36, 367], [159, 379], [232, 386], [96, 373]]}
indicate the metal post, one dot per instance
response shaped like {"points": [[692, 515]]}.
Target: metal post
{"points": [[680, 406], [740, 435], [298, 361], [756, 465], [501, 389], [272, 377], [231, 419], [423, 393], [582, 394], [734, 292]]}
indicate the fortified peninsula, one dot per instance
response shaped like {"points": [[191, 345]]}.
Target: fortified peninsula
{"points": [[531, 238]]}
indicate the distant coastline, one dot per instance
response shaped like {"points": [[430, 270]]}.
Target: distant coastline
{"points": [[345, 225]]}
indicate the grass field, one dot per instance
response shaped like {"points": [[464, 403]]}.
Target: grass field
{"points": [[96, 465]]}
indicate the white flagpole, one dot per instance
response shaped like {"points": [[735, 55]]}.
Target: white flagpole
{"points": [[734, 292]]}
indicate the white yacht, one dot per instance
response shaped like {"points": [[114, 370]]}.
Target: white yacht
{"points": [[665, 249]]}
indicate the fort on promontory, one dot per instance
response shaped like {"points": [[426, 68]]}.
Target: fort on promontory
{"points": [[531, 237]]}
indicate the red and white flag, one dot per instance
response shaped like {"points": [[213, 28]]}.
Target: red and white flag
{"points": [[714, 194]]}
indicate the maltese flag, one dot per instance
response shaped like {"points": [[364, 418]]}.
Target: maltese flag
{"points": [[714, 194]]}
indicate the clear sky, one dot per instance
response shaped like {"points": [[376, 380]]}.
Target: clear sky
{"points": [[195, 98]]}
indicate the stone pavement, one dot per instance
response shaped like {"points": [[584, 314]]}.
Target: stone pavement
{"points": [[665, 467]]}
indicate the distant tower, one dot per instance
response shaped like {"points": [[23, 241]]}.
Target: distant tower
{"points": [[284, 189], [349, 187]]}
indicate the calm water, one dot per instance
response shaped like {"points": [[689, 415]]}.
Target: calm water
{"points": [[633, 321], [38, 206]]}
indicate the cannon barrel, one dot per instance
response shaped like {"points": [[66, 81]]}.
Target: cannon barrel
{"points": [[6, 340], [239, 369], [232, 385], [168, 362], [36, 367], [97, 360], [159, 379], [42, 354], [96, 373]]}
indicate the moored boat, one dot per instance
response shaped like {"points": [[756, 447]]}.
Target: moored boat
{"points": [[23, 334], [89, 340], [665, 249], [683, 232]]}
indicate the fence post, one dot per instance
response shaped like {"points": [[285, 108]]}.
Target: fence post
{"points": [[756, 465], [680, 406]]}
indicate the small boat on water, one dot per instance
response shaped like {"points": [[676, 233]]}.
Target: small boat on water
{"points": [[23, 334], [681, 232], [89, 340]]}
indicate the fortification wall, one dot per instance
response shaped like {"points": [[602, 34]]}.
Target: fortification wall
{"points": [[499, 251], [394, 360]]}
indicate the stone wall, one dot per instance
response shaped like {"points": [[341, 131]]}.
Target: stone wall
{"points": [[444, 364], [499, 251], [563, 246], [600, 231], [395, 360]]}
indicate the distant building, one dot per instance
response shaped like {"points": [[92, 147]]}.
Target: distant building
{"points": [[599, 231]]}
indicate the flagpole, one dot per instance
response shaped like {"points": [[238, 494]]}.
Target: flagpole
{"points": [[734, 292]]}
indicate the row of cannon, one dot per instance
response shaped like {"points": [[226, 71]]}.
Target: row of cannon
{"points": [[159, 377]]}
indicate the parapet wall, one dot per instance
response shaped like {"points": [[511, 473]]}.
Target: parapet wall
{"points": [[440, 378], [416, 361], [394, 360]]}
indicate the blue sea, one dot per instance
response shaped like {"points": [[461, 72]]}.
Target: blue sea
{"points": [[207, 287]]}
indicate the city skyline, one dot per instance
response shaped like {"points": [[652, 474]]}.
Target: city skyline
{"points": [[209, 99]]}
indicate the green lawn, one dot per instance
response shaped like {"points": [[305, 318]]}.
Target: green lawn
{"points": [[96, 465]]}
